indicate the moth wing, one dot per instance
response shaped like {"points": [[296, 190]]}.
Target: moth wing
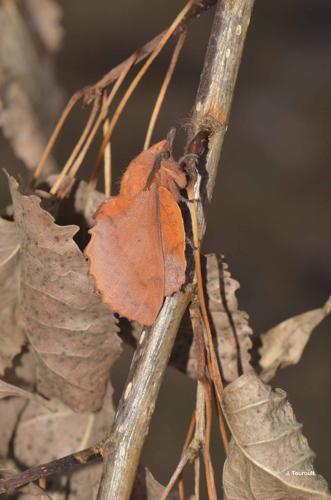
{"points": [[126, 257], [173, 242]]}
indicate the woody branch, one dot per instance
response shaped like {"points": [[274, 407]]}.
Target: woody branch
{"points": [[211, 114]]}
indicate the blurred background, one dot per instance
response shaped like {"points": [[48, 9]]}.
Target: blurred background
{"points": [[270, 215]]}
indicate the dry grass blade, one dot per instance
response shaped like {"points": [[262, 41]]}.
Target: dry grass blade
{"points": [[268, 457], [163, 89]]}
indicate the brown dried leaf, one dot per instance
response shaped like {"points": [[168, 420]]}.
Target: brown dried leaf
{"points": [[7, 390], [11, 333], [72, 333], [10, 409], [283, 344], [230, 324], [146, 487], [269, 458], [30, 99], [46, 17], [43, 435]]}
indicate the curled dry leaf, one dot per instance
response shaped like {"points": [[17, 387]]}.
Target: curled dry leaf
{"points": [[269, 458], [283, 344], [72, 333], [232, 331], [30, 99], [137, 250], [11, 333]]}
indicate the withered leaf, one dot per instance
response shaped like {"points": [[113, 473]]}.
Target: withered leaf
{"points": [[87, 201], [43, 435], [283, 344], [146, 487], [269, 458], [46, 18], [11, 333], [71, 332], [30, 98], [7, 390], [10, 409], [232, 331], [137, 248]]}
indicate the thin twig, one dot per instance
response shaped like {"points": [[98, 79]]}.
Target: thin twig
{"points": [[181, 486], [92, 91], [80, 142], [164, 88], [66, 112], [150, 360], [197, 479], [193, 449], [167, 35], [210, 479], [107, 164], [211, 356], [58, 466]]}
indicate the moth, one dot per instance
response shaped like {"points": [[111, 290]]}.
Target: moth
{"points": [[137, 246]]}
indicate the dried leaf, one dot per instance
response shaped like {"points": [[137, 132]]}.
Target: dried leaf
{"points": [[46, 17], [146, 487], [137, 249], [11, 407], [30, 99], [283, 344], [10, 410], [87, 201], [11, 333], [233, 333], [84, 483], [7, 390], [269, 458], [71, 332], [43, 435]]}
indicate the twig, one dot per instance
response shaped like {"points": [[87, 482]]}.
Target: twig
{"points": [[211, 354], [150, 360], [92, 91], [59, 466], [163, 89], [107, 167], [192, 450], [164, 39], [181, 486]]}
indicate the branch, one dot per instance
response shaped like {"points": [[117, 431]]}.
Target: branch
{"points": [[212, 108], [58, 466]]}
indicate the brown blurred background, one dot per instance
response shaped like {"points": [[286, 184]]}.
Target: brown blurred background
{"points": [[270, 215]]}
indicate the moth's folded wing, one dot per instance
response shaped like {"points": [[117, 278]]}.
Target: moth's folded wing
{"points": [[173, 242], [126, 256]]}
